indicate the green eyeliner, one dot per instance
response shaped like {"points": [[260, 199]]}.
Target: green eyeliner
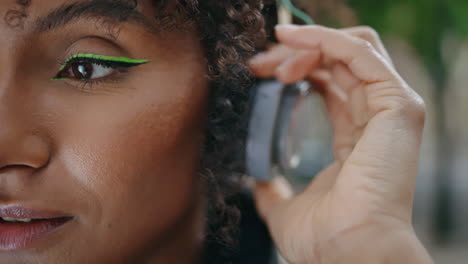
{"points": [[104, 58], [108, 61]]}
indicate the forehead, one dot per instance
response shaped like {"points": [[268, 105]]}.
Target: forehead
{"points": [[48, 4], [26, 14]]}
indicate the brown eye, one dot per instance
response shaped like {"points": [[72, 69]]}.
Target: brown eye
{"points": [[85, 70], [82, 70]]}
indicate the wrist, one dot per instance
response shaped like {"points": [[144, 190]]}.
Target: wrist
{"points": [[389, 246]]}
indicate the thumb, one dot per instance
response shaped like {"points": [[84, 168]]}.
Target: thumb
{"points": [[383, 165], [271, 195]]}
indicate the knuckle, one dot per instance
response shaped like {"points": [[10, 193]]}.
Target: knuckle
{"points": [[364, 32], [403, 103], [419, 109], [414, 108], [370, 32], [364, 45]]}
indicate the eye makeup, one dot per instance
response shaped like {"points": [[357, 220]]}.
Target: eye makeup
{"points": [[84, 65], [122, 61]]}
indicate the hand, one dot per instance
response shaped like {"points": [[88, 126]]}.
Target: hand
{"points": [[358, 210]]}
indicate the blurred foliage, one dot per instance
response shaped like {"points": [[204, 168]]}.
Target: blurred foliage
{"points": [[423, 23], [458, 9]]}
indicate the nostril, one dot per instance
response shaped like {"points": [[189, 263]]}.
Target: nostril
{"points": [[14, 167], [23, 151]]}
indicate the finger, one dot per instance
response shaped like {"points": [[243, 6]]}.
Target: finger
{"points": [[357, 103], [343, 140], [327, 87], [298, 67], [270, 195], [264, 64], [384, 88], [369, 34], [383, 163], [359, 55], [336, 101], [357, 106], [344, 77]]}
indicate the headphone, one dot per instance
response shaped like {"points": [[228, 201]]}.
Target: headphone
{"points": [[275, 129]]}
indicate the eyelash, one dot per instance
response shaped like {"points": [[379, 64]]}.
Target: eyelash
{"points": [[119, 67]]}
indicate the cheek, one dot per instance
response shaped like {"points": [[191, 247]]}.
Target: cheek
{"points": [[138, 164]]}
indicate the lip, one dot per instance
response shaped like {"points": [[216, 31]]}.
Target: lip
{"points": [[15, 211], [15, 235]]}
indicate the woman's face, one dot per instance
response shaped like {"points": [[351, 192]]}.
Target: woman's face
{"points": [[115, 150]]}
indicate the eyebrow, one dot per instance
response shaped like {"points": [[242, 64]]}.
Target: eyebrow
{"points": [[112, 12]]}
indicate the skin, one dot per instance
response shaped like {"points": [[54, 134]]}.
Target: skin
{"points": [[121, 156], [358, 210]]}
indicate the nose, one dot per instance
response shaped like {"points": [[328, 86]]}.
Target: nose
{"points": [[21, 144], [20, 150]]}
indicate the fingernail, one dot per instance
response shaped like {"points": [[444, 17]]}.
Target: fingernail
{"points": [[286, 27]]}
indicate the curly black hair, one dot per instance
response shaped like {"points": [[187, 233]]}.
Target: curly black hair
{"points": [[230, 31]]}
